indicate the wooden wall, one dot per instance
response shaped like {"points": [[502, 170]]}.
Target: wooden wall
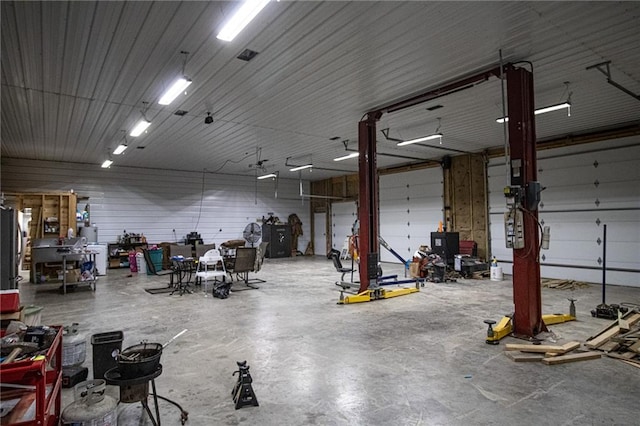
{"points": [[465, 199]]}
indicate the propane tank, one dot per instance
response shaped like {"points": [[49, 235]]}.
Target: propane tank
{"points": [[74, 346], [91, 407]]}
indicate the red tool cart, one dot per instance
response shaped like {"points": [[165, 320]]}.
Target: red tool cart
{"points": [[31, 387]]}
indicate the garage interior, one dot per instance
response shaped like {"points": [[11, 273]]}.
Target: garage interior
{"points": [[514, 125]]}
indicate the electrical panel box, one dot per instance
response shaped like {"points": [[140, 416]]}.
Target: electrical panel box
{"points": [[514, 229]]}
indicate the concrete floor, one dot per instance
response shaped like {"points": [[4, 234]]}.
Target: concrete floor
{"points": [[414, 360]]}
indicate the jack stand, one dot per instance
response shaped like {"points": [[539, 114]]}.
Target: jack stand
{"points": [[242, 393]]}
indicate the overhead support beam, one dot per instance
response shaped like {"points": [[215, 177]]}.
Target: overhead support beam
{"points": [[368, 174], [527, 296], [443, 90]]}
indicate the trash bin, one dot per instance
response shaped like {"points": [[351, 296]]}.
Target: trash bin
{"points": [[156, 259], [106, 347]]}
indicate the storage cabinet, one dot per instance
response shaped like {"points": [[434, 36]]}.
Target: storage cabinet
{"points": [[119, 253], [279, 239], [52, 214], [37, 385]]}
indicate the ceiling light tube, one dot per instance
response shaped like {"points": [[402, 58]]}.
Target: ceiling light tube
{"points": [[423, 139], [107, 164], [173, 92], [139, 128], [348, 156], [119, 149], [557, 107], [242, 17], [306, 166], [270, 175]]}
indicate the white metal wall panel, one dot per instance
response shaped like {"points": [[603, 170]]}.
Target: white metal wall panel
{"points": [[157, 202], [343, 215], [586, 187], [410, 209]]}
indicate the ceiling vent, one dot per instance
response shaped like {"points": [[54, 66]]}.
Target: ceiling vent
{"points": [[181, 112], [247, 55]]}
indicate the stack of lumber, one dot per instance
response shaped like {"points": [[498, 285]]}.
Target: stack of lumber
{"points": [[548, 354], [562, 284], [620, 339]]}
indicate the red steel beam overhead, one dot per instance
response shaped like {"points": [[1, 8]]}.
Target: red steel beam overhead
{"points": [[527, 295], [448, 88], [368, 173]]}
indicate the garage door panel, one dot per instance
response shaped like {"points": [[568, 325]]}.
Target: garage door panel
{"points": [[587, 186], [410, 207], [343, 215]]}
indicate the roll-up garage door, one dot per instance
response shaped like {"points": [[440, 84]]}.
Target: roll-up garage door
{"points": [[343, 215], [410, 209], [586, 187]]}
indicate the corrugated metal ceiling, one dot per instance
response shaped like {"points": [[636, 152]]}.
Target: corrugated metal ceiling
{"points": [[75, 76]]}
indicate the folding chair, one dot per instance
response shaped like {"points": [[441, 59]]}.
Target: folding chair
{"points": [[152, 268], [243, 263], [210, 268]]}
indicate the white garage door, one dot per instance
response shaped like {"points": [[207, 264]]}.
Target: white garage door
{"points": [[343, 215], [587, 186], [410, 209]]}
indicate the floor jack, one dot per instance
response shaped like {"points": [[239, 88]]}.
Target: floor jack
{"points": [[378, 291], [497, 332]]}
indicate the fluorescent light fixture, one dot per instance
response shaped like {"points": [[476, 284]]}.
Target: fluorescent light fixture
{"points": [[423, 139], [270, 175], [119, 149], [244, 15], [346, 157], [563, 105], [140, 127], [106, 164], [306, 166], [173, 92]]}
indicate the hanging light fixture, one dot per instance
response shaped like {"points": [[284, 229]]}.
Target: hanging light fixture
{"points": [[242, 17], [267, 176], [550, 108], [436, 135], [142, 125], [348, 156], [306, 166], [178, 86], [121, 147]]}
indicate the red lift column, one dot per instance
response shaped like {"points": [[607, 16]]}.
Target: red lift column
{"points": [[527, 295], [368, 201]]}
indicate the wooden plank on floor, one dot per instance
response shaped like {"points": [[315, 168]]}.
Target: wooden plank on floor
{"points": [[523, 357], [635, 364], [542, 348], [602, 338], [609, 346], [563, 359], [619, 356]]}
